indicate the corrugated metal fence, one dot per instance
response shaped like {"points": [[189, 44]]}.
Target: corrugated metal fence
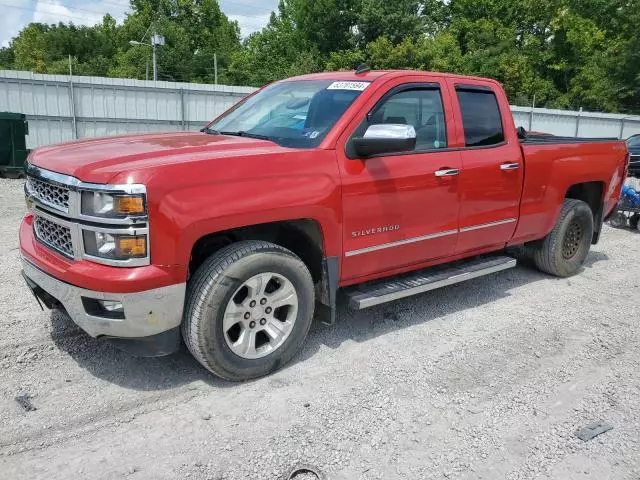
{"points": [[61, 108], [569, 123]]}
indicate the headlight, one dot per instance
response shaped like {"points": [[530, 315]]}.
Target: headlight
{"points": [[114, 246], [101, 204]]}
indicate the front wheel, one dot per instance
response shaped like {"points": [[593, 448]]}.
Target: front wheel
{"points": [[249, 308], [564, 250]]}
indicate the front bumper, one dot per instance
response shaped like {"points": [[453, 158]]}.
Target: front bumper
{"points": [[147, 314]]}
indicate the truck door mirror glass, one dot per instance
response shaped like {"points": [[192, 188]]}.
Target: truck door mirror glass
{"points": [[385, 138]]}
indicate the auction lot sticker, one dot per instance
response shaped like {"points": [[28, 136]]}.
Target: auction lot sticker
{"points": [[359, 86]]}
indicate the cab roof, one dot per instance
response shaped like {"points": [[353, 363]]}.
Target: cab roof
{"points": [[371, 75], [349, 75]]}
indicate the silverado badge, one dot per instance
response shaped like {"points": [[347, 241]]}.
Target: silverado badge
{"points": [[374, 230]]}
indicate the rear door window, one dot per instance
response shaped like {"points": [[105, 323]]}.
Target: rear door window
{"points": [[480, 117]]}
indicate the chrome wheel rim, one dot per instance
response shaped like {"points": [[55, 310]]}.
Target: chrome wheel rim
{"points": [[260, 315]]}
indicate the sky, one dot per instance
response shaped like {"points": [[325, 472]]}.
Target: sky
{"points": [[252, 15]]}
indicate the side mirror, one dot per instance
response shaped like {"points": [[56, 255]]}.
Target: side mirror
{"points": [[522, 133], [385, 138]]}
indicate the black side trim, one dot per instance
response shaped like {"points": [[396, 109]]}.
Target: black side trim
{"points": [[158, 345], [552, 139], [473, 88], [437, 150]]}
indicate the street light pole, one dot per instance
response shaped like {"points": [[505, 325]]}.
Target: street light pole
{"points": [[155, 41], [155, 70]]}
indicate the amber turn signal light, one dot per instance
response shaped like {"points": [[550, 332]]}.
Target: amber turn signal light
{"points": [[131, 246], [129, 204]]}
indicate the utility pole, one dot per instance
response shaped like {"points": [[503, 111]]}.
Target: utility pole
{"points": [[72, 102], [215, 68], [533, 106], [156, 40], [155, 68]]}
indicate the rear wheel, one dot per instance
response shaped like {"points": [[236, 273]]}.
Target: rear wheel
{"points": [[249, 308], [563, 251]]}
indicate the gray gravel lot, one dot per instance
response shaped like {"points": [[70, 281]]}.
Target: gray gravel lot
{"points": [[488, 379]]}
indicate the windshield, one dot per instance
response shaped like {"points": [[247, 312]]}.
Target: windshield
{"points": [[298, 113]]}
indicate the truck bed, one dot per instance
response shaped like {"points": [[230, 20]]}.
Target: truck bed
{"points": [[553, 164]]}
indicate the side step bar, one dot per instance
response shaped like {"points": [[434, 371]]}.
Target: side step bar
{"points": [[375, 293]]}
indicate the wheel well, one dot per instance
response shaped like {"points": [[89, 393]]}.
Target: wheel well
{"points": [[303, 237], [589, 192]]}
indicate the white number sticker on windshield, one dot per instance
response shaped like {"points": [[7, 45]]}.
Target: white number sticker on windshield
{"points": [[359, 86]]}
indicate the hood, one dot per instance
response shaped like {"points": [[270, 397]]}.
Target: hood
{"points": [[98, 160]]}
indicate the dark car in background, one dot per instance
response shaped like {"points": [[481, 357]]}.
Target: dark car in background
{"points": [[633, 144]]}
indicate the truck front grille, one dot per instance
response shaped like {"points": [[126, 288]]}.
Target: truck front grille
{"points": [[53, 235], [52, 194]]}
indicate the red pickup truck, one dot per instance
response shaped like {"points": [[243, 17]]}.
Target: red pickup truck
{"points": [[381, 183]]}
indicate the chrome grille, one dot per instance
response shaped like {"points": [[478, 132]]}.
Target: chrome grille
{"points": [[53, 235], [52, 194]]}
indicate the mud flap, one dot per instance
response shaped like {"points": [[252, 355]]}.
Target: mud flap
{"points": [[328, 290], [598, 220]]}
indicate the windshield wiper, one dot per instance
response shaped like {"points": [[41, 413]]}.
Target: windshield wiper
{"points": [[210, 131], [242, 133]]}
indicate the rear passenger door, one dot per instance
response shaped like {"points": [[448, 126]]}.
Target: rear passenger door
{"points": [[492, 168]]}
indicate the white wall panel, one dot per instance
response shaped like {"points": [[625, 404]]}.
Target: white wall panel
{"points": [[112, 106]]}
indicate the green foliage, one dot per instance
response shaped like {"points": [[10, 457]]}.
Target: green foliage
{"points": [[278, 51], [563, 53]]}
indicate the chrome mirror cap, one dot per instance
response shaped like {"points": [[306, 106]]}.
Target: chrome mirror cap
{"points": [[390, 130]]}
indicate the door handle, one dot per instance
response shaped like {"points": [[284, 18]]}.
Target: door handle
{"points": [[446, 172], [509, 166]]}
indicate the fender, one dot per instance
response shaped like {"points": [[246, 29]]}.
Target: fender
{"points": [[220, 190]]}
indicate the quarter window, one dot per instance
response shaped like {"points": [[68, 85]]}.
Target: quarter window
{"points": [[480, 117]]}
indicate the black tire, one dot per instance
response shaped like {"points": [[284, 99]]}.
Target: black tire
{"points": [[212, 287], [618, 220], [633, 221], [564, 250]]}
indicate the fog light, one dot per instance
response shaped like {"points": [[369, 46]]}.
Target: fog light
{"points": [[111, 306], [109, 309]]}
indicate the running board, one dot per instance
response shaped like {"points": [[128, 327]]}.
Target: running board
{"points": [[375, 293]]}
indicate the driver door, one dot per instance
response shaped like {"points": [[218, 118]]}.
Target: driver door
{"points": [[401, 209]]}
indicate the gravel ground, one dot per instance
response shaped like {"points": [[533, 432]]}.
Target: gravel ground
{"points": [[488, 379]]}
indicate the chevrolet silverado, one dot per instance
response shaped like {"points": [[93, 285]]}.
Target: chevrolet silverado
{"points": [[381, 183]]}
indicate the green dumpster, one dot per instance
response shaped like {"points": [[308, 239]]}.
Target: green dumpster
{"points": [[13, 147]]}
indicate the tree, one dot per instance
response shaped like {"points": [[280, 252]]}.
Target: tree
{"points": [[279, 50], [397, 21], [565, 53], [7, 58], [325, 24]]}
